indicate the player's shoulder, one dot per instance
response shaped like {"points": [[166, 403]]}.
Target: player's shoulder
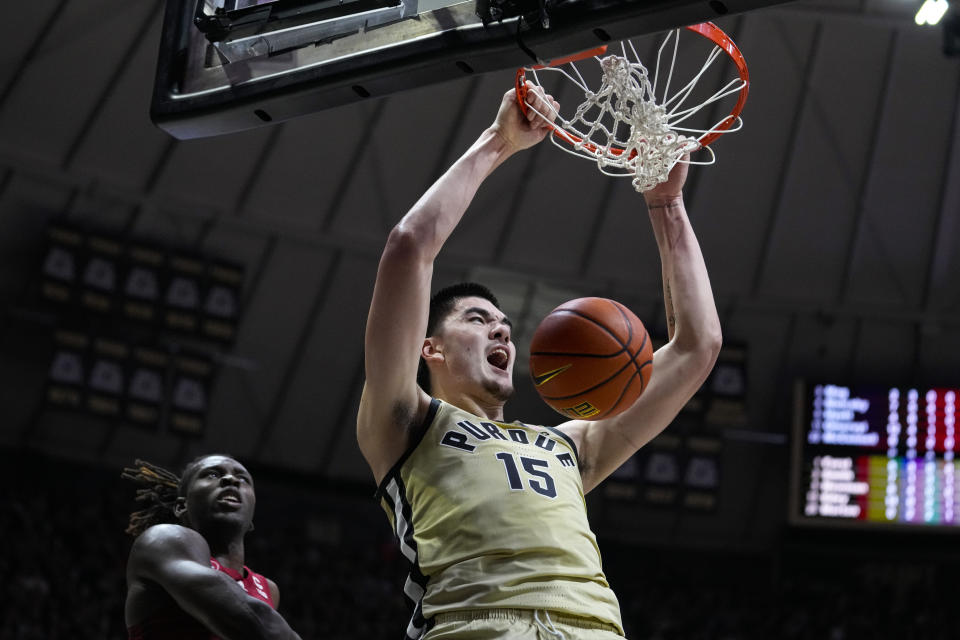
{"points": [[170, 541], [274, 591], [572, 430], [386, 427]]}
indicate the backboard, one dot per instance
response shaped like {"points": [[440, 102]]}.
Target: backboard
{"points": [[231, 65]]}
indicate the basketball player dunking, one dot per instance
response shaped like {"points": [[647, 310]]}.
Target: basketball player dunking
{"points": [[187, 581], [492, 515]]}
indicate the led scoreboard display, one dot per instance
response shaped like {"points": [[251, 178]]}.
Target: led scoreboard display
{"points": [[873, 455]]}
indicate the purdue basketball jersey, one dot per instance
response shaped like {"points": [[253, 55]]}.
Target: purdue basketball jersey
{"points": [[492, 515]]}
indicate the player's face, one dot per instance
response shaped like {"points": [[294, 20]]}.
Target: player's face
{"points": [[477, 347], [220, 493]]}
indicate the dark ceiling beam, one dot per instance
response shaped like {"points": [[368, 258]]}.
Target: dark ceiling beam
{"points": [[851, 365], [865, 179], [944, 226], [160, 165], [139, 37], [299, 351], [598, 219], [716, 112], [514, 210], [786, 167], [378, 178], [446, 150], [248, 185], [6, 177], [145, 204], [448, 154], [354, 162], [253, 176], [31, 52], [939, 257], [252, 286], [344, 421], [523, 315]]}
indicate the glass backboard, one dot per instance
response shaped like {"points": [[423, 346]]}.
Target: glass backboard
{"points": [[231, 65]]}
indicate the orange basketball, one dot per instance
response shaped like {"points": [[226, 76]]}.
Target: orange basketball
{"points": [[590, 358]]}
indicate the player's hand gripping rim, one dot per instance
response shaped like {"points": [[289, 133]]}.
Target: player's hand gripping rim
{"points": [[520, 128]]}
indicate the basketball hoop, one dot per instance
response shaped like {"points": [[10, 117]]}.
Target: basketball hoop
{"points": [[632, 126]]}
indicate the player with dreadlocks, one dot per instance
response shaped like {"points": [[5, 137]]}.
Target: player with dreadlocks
{"points": [[185, 576]]}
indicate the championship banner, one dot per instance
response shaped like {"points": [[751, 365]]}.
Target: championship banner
{"points": [[140, 385], [100, 277], [182, 295], [92, 276], [721, 404], [624, 482], [661, 469], [189, 392], [142, 283], [106, 378], [61, 265], [220, 314], [726, 389], [95, 274], [681, 466], [146, 386], [66, 376], [701, 475]]}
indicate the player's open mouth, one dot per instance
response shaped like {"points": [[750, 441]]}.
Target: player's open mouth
{"points": [[230, 496], [499, 358]]}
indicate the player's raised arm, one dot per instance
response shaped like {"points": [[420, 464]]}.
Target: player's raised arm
{"points": [[392, 402], [177, 559], [681, 365]]}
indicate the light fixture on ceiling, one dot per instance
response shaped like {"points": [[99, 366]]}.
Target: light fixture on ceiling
{"points": [[931, 11]]}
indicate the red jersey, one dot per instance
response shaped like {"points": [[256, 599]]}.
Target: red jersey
{"points": [[176, 624]]}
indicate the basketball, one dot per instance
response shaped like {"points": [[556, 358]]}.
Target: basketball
{"points": [[590, 358]]}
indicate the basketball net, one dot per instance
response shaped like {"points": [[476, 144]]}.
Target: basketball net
{"points": [[632, 126]]}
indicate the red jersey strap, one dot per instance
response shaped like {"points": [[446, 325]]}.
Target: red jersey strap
{"points": [[254, 584], [176, 624]]}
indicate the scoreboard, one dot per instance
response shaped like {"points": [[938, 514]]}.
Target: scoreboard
{"points": [[875, 455]]}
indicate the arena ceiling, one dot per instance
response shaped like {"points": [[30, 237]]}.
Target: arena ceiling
{"points": [[829, 225]]}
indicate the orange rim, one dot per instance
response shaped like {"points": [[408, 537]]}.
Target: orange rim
{"points": [[708, 30], [521, 76], [715, 34]]}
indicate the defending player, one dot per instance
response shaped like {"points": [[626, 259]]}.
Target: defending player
{"points": [[187, 581], [492, 515]]}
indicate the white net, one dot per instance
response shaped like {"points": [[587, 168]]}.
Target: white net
{"points": [[629, 127]]}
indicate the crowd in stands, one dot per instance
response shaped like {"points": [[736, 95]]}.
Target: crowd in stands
{"points": [[341, 574]]}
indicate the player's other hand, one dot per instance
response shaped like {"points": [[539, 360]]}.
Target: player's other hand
{"points": [[520, 130], [672, 189]]}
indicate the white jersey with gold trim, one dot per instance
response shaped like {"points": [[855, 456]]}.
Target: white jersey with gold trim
{"points": [[492, 516]]}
